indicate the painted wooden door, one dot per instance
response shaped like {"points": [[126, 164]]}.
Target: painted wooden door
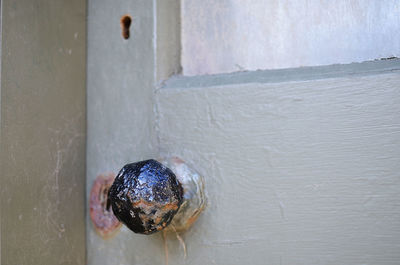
{"points": [[42, 132], [301, 165]]}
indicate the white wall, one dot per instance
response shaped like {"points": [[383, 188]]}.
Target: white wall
{"points": [[235, 35]]}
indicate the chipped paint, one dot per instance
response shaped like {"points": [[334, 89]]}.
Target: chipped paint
{"points": [[194, 198], [105, 223]]}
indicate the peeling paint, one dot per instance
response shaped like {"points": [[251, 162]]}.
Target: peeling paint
{"points": [[103, 219]]}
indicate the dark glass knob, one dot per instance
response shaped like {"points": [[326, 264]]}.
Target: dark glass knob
{"points": [[145, 196]]}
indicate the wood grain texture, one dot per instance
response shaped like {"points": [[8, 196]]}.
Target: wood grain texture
{"points": [[300, 172]]}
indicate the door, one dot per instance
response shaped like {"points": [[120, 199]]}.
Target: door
{"points": [[42, 132], [301, 165]]}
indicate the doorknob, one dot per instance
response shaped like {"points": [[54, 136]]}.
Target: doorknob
{"points": [[150, 196], [145, 196]]}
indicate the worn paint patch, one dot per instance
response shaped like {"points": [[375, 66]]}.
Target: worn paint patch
{"points": [[194, 198], [103, 219]]}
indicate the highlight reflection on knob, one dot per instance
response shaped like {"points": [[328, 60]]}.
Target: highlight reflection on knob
{"points": [[145, 196]]}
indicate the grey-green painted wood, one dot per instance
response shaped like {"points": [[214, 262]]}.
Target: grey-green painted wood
{"points": [[168, 36], [297, 172], [121, 78], [0, 118], [43, 132], [234, 35], [300, 169], [285, 75]]}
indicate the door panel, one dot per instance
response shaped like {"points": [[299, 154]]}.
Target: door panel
{"points": [[43, 125], [301, 165], [300, 172], [120, 113]]}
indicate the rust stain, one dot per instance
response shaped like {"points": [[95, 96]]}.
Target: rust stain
{"points": [[154, 213], [153, 205], [105, 223], [192, 219], [126, 21]]}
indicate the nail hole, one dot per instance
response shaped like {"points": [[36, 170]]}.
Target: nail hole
{"points": [[125, 25]]}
